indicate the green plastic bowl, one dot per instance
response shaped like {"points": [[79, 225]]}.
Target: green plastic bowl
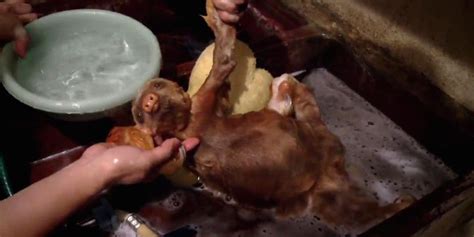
{"points": [[82, 63]]}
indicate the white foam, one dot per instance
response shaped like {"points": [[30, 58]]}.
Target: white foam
{"points": [[379, 154]]}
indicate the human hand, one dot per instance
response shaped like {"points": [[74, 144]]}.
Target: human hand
{"points": [[230, 10], [13, 14], [129, 165]]}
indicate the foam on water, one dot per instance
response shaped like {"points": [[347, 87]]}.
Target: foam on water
{"points": [[82, 65], [380, 157]]}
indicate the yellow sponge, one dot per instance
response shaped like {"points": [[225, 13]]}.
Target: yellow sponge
{"points": [[250, 87]]}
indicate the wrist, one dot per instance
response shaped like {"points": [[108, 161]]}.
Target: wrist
{"points": [[99, 172], [107, 172]]}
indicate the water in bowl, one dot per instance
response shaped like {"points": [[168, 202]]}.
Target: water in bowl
{"points": [[83, 65]]}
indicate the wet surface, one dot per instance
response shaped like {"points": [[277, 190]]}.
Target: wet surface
{"points": [[379, 154]]}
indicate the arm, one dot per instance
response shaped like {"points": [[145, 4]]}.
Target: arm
{"points": [[221, 14], [206, 98], [39, 208]]}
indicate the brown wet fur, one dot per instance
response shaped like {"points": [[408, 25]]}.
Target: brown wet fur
{"points": [[262, 159]]}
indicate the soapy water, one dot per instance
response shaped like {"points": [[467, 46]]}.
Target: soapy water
{"points": [[83, 65], [380, 157], [210, 213]]}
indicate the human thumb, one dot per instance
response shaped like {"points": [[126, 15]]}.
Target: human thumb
{"points": [[11, 28], [21, 41]]}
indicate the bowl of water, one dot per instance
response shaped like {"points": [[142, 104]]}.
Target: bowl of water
{"points": [[82, 63]]}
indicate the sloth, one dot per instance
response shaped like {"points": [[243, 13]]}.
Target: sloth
{"points": [[281, 157]]}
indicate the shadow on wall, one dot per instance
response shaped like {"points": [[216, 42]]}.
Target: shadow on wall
{"points": [[447, 24]]}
